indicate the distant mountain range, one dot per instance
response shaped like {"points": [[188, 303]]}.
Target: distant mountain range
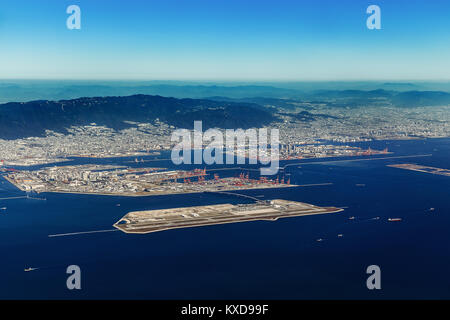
{"points": [[22, 91], [356, 98], [58, 91], [405, 99], [18, 119]]}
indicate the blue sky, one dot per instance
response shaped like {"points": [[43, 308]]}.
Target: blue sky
{"points": [[225, 40]]}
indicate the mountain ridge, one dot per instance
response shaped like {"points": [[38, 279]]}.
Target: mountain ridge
{"points": [[25, 119]]}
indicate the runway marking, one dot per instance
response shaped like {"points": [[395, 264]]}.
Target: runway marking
{"points": [[78, 233]]}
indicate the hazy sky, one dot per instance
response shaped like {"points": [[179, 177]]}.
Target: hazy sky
{"points": [[225, 39]]}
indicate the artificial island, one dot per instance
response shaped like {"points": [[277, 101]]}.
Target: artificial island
{"points": [[126, 181], [142, 222]]}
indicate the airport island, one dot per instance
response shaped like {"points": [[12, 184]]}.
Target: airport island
{"points": [[125, 181], [142, 222]]}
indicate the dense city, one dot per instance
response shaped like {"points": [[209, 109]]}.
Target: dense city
{"points": [[297, 138]]}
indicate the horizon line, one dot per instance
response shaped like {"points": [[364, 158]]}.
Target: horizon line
{"points": [[227, 80]]}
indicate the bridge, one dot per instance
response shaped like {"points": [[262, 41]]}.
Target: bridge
{"points": [[236, 195]]}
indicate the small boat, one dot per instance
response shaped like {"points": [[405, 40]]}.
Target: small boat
{"points": [[394, 219], [340, 235], [29, 269], [431, 209], [4, 208], [351, 218], [376, 218], [319, 240], [118, 205]]}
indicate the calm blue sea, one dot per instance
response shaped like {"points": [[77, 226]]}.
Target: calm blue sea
{"points": [[259, 260]]}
